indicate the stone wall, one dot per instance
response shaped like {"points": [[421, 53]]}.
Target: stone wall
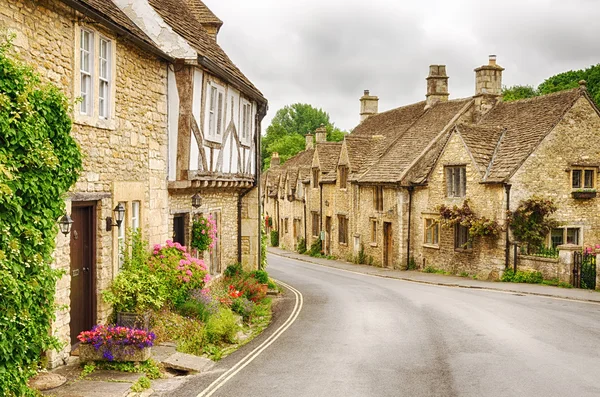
{"points": [[129, 149], [549, 267], [486, 258]]}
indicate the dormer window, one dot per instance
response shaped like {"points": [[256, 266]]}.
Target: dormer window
{"points": [[343, 176]]}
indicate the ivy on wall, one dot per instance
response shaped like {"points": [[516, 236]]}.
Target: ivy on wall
{"points": [[478, 226], [39, 162], [530, 222]]}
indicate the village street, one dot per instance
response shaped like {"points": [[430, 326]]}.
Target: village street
{"points": [[359, 335]]}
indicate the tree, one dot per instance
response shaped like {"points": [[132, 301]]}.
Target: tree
{"points": [[559, 82], [286, 133]]}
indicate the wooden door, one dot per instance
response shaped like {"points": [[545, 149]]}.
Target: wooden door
{"points": [[387, 244], [179, 229], [83, 254], [328, 235]]}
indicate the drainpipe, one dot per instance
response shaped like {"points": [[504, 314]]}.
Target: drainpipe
{"points": [[507, 249], [410, 196], [239, 222], [305, 234], [321, 214]]}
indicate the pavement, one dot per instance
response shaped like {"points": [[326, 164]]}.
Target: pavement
{"points": [[447, 280]]}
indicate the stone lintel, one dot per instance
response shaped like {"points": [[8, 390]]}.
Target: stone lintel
{"points": [[91, 196]]}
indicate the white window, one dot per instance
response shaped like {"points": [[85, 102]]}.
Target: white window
{"points": [[104, 79], [135, 215], [121, 237], [86, 56], [216, 111], [246, 121]]}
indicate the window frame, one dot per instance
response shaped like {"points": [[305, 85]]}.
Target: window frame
{"points": [[461, 238], [565, 235], [316, 224], [374, 228], [343, 175], [104, 108], [216, 112], [121, 233], [583, 172], [378, 198], [246, 122], [342, 229], [86, 107], [452, 175], [431, 232], [315, 178], [135, 214]]}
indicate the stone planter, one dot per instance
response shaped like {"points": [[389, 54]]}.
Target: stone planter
{"points": [[87, 353], [134, 320], [583, 195]]}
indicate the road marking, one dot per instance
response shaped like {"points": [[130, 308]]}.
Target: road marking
{"points": [[221, 380], [462, 287]]}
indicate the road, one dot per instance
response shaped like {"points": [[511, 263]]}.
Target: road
{"points": [[357, 335]]}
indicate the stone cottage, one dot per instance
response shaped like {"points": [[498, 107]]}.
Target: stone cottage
{"points": [[131, 76], [398, 167]]}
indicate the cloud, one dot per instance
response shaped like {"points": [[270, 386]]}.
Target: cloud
{"points": [[327, 52]]}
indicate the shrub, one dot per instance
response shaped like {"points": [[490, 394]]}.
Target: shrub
{"points": [[179, 271], [221, 327], [261, 276], [361, 258], [531, 222], [244, 307], [522, 276], [204, 233], [301, 247], [136, 290], [315, 248], [251, 289], [39, 162], [233, 270], [274, 238]]}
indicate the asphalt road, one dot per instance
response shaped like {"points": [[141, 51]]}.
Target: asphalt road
{"points": [[357, 335]]}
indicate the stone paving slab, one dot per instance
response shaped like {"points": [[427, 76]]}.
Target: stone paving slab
{"points": [[447, 280], [113, 376], [188, 362], [86, 388]]}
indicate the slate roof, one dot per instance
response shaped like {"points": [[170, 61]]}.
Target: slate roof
{"points": [[410, 142], [202, 13], [482, 143], [527, 122], [329, 155], [179, 16]]}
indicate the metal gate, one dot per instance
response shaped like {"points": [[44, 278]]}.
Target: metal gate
{"points": [[584, 270]]}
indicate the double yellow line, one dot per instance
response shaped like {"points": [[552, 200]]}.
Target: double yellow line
{"points": [[221, 380]]}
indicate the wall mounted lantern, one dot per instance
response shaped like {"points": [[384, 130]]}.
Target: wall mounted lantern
{"points": [[196, 200], [65, 224], [119, 215]]}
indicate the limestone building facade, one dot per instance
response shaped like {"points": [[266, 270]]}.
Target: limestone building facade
{"points": [[129, 84], [397, 168]]}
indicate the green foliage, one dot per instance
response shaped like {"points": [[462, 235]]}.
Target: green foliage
{"points": [[244, 307], [233, 270], [263, 247], [221, 328], [149, 367], [39, 162], [522, 276], [261, 276], [412, 264], [557, 283], [301, 246], [562, 81], [87, 369], [250, 288], [134, 250], [136, 290], [530, 222], [431, 269], [518, 92], [542, 251], [478, 226], [141, 384], [286, 133], [274, 238], [315, 248], [203, 233]]}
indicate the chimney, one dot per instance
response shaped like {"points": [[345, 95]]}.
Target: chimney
{"points": [[321, 134], [437, 85], [274, 159], [309, 141], [488, 86], [368, 105]]}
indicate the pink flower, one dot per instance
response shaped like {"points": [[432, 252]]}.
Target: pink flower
{"points": [[188, 272], [207, 278], [157, 247], [186, 279], [203, 231]]}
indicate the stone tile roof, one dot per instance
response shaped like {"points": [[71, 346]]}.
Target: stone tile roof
{"points": [[424, 127], [179, 16], [114, 14], [303, 158], [202, 13], [481, 142], [359, 147], [329, 155], [526, 122]]}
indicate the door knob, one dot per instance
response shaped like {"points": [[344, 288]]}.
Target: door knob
{"points": [[86, 269]]}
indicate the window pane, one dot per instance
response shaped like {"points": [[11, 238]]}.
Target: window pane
{"points": [[576, 179], [557, 237], [589, 179], [220, 113], [573, 236], [135, 215], [436, 231]]}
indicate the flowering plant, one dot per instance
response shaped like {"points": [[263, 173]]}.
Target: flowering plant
{"points": [[234, 293], [181, 271], [204, 234], [107, 337]]}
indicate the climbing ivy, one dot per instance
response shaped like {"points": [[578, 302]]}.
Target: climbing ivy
{"points": [[530, 222], [39, 161], [478, 226]]}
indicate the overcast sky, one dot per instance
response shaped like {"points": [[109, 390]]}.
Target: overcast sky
{"points": [[326, 52]]}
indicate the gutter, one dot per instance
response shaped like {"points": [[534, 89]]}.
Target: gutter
{"points": [[92, 13]]}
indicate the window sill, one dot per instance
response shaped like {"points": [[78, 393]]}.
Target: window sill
{"points": [[343, 244], [104, 124], [463, 250], [373, 244], [583, 194], [213, 139], [432, 246]]}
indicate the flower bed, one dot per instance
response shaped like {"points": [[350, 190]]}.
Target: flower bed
{"points": [[114, 343]]}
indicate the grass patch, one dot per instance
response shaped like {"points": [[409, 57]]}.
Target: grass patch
{"points": [[556, 283], [141, 384], [431, 269], [522, 276]]}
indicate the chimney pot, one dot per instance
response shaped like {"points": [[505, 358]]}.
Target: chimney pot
{"points": [[492, 59], [274, 159], [437, 85], [366, 92], [321, 134], [309, 143]]}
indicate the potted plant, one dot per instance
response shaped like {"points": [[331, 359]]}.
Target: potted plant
{"points": [[133, 294], [115, 343], [584, 193], [204, 234]]}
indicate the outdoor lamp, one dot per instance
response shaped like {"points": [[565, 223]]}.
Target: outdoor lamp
{"points": [[65, 224], [119, 215], [196, 200]]}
